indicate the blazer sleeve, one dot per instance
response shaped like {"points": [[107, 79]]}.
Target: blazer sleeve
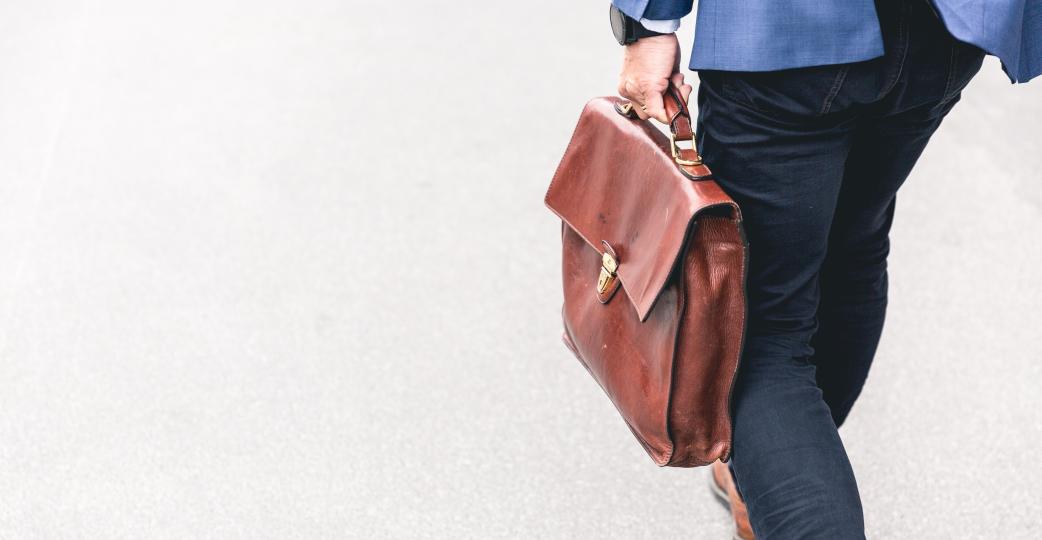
{"points": [[656, 10]]}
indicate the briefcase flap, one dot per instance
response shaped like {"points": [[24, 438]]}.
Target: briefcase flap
{"points": [[619, 183]]}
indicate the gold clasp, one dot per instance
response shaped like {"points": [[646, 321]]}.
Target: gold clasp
{"points": [[609, 267], [676, 151]]}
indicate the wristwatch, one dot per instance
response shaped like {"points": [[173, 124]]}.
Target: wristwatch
{"points": [[626, 28]]}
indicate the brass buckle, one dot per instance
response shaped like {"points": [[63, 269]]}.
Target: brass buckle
{"points": [[676, 151], [609, 268]]}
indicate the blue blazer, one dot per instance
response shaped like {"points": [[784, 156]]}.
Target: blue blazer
{"points": [[767, 35]]}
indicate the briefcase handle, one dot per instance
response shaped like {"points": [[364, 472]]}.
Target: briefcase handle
{"points": [[681, 129]]}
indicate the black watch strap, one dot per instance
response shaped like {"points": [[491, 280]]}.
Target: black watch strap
{"points": [[640, 32], [627, 29]]}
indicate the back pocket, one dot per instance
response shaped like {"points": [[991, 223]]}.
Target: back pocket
{"points": [[788, 93]]}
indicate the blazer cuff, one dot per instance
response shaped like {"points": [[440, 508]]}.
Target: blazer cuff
{"points": [[655, 10]]}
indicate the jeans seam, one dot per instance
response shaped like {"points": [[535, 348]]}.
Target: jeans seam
{"points": [[834, 91], [952, 62], [904, 36]]}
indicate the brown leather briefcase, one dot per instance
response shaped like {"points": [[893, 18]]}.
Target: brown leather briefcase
{"points": [[642, 215]]}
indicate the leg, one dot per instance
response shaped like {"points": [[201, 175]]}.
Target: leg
{"points": [[779, 143], [854, 276], [886, 147], [783, 163]]}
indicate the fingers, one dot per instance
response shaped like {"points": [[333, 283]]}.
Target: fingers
{"points": [[631, 91], [654, 107], [646, 98], [685, 90], [677, 79]]}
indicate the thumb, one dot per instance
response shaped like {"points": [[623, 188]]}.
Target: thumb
{"points": [[677, 79]]}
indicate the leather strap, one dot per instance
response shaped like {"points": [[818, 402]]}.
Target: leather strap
{"points": [[679, 116], [688, 159]]}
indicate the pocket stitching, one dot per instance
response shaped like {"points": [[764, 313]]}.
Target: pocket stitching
{"points": [[834, 91], [965, 62], [952, 65]]}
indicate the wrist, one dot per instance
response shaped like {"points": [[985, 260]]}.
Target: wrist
{"points": [[628, 30], [666, 43]]}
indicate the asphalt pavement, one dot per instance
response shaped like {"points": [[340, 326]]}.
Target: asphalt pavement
{"points": [[279, 269]]}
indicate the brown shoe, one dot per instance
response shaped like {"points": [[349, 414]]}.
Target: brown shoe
{"points": [[722, 485]]}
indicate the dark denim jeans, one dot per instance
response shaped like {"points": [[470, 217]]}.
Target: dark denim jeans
{"points": [[815, 157]]}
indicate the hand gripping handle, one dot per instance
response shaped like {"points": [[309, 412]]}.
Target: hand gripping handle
{"points": [[681, 129]]}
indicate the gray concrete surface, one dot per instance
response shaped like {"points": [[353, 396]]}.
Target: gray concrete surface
{"points": [[282, 270]]}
